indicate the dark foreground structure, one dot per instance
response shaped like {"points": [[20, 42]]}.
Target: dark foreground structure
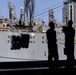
{"points": [[32, 68]]}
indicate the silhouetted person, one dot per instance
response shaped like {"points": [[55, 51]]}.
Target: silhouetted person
{"points": [[69, 32], [20, 22], [52, 46]]}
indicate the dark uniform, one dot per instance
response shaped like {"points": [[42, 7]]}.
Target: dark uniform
{"points": [[52, 46], [69, 32]]}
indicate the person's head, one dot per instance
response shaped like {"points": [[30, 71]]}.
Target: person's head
{"points": [[51, 25], [70, 22]]}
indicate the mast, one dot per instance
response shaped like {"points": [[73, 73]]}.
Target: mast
{"points": [[26, 7], [12, 14], [51, 15], [21, 13], [29, 6]]}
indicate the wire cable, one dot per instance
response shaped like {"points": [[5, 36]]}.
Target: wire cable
{"points": [[47, 11], [49, 7]]}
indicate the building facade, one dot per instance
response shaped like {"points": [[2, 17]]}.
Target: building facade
{"points": [[69, 11]]}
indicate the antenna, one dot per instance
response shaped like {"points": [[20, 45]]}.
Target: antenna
{"points": [[21, 13]]}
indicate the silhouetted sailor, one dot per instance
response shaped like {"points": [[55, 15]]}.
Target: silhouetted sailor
{"points": [[69, 32], [20, 23], [52, 46]]}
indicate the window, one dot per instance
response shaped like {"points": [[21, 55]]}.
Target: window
{"points": [[33, 37], [42, 41], [33, 41], [42, 37]]}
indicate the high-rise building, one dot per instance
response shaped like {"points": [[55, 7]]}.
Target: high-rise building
{"points": [[69, 11]]}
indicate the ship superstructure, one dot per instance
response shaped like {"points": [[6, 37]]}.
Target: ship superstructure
{"points": [[24, 39]]}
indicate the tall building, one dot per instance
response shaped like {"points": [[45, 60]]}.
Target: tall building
{"points": [[69, 11]]}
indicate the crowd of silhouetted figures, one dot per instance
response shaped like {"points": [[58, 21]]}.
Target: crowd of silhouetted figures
{"points": [[20, 41]]}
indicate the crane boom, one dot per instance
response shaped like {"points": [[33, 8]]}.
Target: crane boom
{"points": [[28, 6]]}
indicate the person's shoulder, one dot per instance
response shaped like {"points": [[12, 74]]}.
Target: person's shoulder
{"points": [[48, 30], [73, 28]]}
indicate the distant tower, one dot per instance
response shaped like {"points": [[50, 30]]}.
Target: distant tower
{"points": [[51, 15], [69, 11]]}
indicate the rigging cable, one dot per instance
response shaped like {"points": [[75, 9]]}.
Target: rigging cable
{"points": [[47, 11], [47, 14], [50, 7]]}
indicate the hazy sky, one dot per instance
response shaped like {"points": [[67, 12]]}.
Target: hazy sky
{"points": [[41, 8]]}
